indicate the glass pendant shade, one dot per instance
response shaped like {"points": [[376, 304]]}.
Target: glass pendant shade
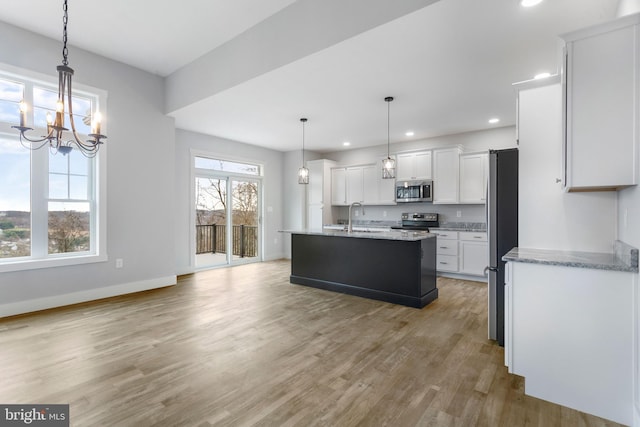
{"points": [[303, 175], [388, 168]]}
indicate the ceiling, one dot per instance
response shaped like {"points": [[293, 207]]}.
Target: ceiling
{"points": [[449, 66]]}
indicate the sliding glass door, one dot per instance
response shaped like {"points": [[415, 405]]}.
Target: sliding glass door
{"points": [[227, 213]]}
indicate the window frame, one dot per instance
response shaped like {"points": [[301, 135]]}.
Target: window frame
{"points": [[97, 197]]}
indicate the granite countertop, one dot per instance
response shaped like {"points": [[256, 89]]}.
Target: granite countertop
{"points": [[463, 226], [624, 258], [385, 235]]}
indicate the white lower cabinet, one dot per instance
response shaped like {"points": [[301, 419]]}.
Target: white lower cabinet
{"points": [[463, 252], [568, 332], [474, 255], [447, 251]]}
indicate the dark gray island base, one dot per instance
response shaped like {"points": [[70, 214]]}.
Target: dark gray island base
{"points": [[391, 267]]}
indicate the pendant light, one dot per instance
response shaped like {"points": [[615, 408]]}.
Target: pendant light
{"points": [[388, 164], [55, 138], [303, 172]]}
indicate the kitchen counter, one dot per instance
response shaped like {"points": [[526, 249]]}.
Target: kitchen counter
{"points": [[385, 235], [480, 227], [396, 266], [624, 258]]}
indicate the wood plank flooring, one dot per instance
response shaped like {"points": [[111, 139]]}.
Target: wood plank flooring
{"points": [[242, 347]]}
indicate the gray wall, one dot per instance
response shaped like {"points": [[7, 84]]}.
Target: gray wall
{"points": [[140, 170], [271, 160]]}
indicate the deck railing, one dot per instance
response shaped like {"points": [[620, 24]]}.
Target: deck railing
{"points": [[212, 238]]}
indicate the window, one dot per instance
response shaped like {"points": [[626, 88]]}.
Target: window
{"points": [[51, 212], [226, 166]]}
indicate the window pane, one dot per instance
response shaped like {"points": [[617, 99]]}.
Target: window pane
{"points": [[9, 112], [58, 163], [11, 91], [78, 164], [78, 187], [15, 204], [69, 227], [226, 166], [58, 186]]}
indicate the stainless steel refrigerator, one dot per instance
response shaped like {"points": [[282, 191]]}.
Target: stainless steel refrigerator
{"points": [[502, 228]]}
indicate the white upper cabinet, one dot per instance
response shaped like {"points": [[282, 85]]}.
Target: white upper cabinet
{"points": [[339, 186], [411, 166], [473, 177], [446, 165], [362, 184], [355, 185], [601, 84]]}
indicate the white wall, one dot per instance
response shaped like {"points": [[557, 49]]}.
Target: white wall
{"points": [[549, 218], [271, 160], [140, 184]]}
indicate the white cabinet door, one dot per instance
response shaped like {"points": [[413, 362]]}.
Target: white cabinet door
{"points": [[473, 178], [422, 165], [339, 186], [446, 165], [412, 166], [371, 178], [602, 92], [473, 257], [355, 185], [404, 167]]}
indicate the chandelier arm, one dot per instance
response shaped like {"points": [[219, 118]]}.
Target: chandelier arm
{"points": [[29, 145], [44, 139]]}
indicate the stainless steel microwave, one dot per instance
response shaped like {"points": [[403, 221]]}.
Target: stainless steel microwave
{"points": [[414, 191]]}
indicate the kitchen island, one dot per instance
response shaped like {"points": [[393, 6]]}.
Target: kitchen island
{"points": [[397, 266]]}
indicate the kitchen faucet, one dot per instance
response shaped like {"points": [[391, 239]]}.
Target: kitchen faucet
{"points": [[350, 227]]}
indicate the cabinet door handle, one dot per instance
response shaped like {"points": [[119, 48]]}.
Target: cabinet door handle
{"points": [[444, 247], [441, 262], [477, 237]]}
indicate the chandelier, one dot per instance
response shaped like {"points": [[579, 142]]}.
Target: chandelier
{"points": [[55, 127]]}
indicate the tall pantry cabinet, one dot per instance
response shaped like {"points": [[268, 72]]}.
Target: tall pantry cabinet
{"points": [[319, 194]]}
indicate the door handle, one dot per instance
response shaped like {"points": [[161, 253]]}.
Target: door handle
{"points": [[494, 269]]}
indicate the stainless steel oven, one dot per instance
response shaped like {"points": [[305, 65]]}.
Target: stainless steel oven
{"points": [[414, 191]]}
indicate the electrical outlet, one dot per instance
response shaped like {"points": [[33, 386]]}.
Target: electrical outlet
{"points": [[357, 213], [119, 263], [459, 214], [275, 241], [384, 214]]}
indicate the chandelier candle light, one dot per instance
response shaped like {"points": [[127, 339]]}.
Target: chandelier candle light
{"points": [[303, 172], [388, 164], [55, 128]]}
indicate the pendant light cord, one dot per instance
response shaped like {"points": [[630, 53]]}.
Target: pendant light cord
{"points": [[388, 99]]}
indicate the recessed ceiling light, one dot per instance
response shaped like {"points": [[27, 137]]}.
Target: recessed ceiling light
{"points": [[409, 133], [529, 3], [494, 120], [542, 76], [346, 143]]}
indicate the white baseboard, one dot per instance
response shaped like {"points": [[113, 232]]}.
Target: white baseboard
{"points": [[463, 276], [29, 306]]}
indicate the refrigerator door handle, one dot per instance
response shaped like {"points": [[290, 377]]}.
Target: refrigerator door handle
{"points": [[495, 269]]}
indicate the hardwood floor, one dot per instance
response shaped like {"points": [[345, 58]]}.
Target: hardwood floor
{"points": [[241, 346]]}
